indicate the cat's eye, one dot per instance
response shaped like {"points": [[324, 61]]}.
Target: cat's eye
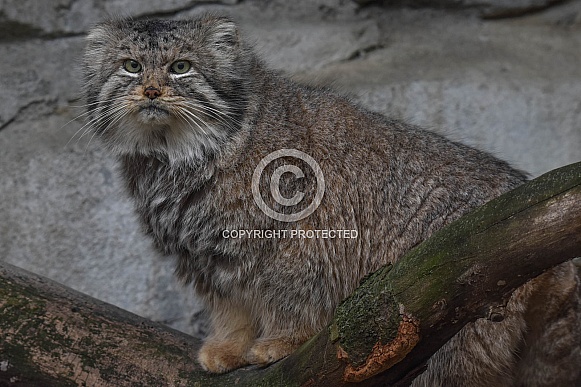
{"points": [[132, 66], [180, 67]]}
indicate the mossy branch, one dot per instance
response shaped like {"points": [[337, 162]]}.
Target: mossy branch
{"points": [[383, 334]]}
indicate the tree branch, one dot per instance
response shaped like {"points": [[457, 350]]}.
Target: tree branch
{"points": [[383, 334]]}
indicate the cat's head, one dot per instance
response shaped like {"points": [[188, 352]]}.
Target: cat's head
{"points": [[165, 87]]}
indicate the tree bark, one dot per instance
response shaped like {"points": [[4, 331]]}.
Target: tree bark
{"points": [[383, 334]]}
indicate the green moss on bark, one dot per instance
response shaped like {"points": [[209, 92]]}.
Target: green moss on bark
{"points": [[370, 316]]}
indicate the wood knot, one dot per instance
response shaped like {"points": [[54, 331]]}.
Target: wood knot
{"points": [[384, 356], [496, 313]]}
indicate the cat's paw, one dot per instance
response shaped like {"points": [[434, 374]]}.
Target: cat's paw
{"points": [[266, 351], [221, 356]]}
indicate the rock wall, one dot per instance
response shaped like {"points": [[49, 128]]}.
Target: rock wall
{"points": [[511, 86]]}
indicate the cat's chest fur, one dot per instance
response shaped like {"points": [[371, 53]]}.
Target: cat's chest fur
{"points": [[172, 202], [186, 208]]}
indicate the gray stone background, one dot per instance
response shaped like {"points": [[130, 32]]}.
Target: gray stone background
{"points": [[491, 73]]}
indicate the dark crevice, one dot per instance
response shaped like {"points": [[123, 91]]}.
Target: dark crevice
{"points": [[22, 113], [10, 120], [174, 12], [505, 13], [12, 31], [487, 11], [362, 52], [15, 31]]}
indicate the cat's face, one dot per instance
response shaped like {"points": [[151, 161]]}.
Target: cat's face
{"points": [[165, 87]]}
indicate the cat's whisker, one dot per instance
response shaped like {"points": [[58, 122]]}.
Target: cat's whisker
{"points": [[97, 120], [78, 130], [221, 120], [115, 117], [205, 108], [92, 121], [101, 115], [213, 113], [194, 119], [87, 113], [196, 116], [100, 102], [86, 126], [184, 118]]}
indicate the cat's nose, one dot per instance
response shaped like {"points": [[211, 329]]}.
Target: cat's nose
{"points": [[152, 92]]}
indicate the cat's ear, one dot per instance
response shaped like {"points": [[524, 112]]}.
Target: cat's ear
{"points": [[223, 35], [100, 37], [95, 48], [99, 47], [102, 34], [98, 34]]}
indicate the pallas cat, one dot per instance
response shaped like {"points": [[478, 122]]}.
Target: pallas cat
{"points": [[190, 112]]}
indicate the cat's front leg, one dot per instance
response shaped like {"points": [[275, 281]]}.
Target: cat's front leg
{"points": [[291, 317], [268, 350], [280, 335], [231, 338]]}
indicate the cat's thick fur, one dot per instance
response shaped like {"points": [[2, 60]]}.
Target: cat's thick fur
{"points": [[188, 145]]}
